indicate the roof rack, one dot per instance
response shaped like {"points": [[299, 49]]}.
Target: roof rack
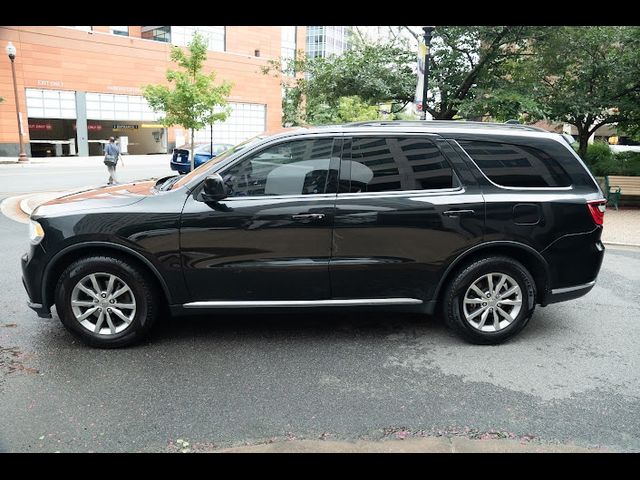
{"points": [[447, 123]]}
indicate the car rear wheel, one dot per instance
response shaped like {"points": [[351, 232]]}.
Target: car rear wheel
{"points": [[106, 301], [490, 300]]}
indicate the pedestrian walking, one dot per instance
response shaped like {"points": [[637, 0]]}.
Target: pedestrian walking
{"points": [[111, 156]]}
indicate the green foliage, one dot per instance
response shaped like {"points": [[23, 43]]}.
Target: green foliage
{"points": [[602, 161], [374, 73], [377, 73], [192, 100], [349, 109], [586, 76], [472, 67]]}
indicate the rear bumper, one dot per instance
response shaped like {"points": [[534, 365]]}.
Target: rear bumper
{"points": [[181, 167], [569, 293], [574, 263]]}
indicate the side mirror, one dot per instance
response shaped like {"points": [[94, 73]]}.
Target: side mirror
{"points": [[214, 188]]}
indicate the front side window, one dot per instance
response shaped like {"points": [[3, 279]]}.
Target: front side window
{"points": [[516, 165], [380, 164], [298, 167]]}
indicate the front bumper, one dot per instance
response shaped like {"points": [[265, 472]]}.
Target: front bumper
{"points": [[32, 282]]}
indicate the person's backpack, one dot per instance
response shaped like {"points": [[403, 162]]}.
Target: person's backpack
{"points": [[110, 156]]}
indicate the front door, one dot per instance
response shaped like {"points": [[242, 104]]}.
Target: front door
{"points": [[403, 214], [270, 239]]}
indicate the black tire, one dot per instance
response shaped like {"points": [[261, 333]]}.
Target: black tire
{"points": [[454, 294], [143, 289]]}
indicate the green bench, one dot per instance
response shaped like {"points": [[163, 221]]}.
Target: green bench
{"points": [[616, 186]]}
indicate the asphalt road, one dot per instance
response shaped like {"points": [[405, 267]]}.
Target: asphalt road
{"points": [[571, 377]]}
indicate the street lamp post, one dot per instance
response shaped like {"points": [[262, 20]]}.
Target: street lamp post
{"points": [[428, 33], [11, 51]]}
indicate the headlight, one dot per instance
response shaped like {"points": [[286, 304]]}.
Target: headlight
{"points": [[36, 233]]}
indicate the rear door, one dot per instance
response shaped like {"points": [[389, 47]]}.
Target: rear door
{"points": [[407, 206]]}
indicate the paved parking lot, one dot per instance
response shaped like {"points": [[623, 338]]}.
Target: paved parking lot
{"points": [[571, 378]]}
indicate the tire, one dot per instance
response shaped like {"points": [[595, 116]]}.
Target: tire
{"points": [[139, 304], [469, 324]]}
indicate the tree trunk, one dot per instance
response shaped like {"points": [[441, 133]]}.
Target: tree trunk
{"points": [[193, 160], [583, 141], [445, 115]]}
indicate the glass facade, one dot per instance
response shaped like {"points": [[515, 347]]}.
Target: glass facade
{"points": [[323, 41], [246, 120], [158, 34], [51, 103], [181, 35], [120, 30], [107, 106], [287, 44]]}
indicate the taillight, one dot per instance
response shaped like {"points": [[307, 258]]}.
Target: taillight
{"points": [[597, 209]]}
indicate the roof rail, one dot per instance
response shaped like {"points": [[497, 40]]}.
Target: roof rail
{"points": [[447, 123]]}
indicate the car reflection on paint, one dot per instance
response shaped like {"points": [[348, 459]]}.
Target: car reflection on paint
{"points": [[203, 152]]}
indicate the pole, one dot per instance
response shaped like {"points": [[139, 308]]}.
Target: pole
{"points": [[428, 31], [22, 157]]}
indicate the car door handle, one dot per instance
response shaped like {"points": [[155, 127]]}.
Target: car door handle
{"points": [[458, 213], [308, 216]]}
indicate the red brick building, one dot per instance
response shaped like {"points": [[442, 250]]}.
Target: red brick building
{"points": [[79, 85]]}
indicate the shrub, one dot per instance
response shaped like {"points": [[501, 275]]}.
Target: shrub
{"points": [[602, 161], [630, 162]]}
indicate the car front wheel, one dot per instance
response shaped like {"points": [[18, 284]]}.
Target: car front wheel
{"points": [[106, 301], [490, 300]]}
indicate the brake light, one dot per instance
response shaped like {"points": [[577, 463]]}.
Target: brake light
{"points": [[597, 209]]}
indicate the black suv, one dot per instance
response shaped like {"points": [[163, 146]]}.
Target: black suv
{"points": [[478, 221]]}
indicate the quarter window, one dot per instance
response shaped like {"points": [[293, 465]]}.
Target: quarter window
{"points": [[516, 165], [397, 163], [292, 168]]}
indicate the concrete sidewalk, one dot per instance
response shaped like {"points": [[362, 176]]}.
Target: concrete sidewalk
{"points": [[622, 227], [90, 161], [410, 445]]}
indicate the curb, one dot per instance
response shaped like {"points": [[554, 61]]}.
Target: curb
{"points": [[620, 244]]}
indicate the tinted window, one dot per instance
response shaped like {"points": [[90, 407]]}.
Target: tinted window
{"points": [[516, 165], [398, 163], [290, 168]]}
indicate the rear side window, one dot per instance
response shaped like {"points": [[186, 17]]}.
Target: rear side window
{"points": [[516, 165], [380, 164]]}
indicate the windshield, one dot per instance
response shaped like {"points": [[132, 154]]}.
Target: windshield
{"points": [[207, 165]]}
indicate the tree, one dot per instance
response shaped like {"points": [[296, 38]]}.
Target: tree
{"points": [[587, 77], [194, 101], [375, 73], [467, 62]]}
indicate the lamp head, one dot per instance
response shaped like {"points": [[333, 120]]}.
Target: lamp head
{"points": [[11, 50]]}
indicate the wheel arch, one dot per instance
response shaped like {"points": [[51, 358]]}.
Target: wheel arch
{"points": [[68, 255], [532, 260]]}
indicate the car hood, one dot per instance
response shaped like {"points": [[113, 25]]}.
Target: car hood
{"points": [[97, 198]]}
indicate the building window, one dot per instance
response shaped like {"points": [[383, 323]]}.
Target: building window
{"points": [[121, 30], [287, 45], [108, 106], [84, 29], [158, 34], [51, 103], [181, 36], [246, 120]]}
